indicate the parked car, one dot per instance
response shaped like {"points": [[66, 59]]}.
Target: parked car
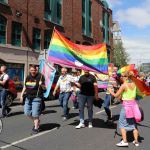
{"points": [[12, 93]]}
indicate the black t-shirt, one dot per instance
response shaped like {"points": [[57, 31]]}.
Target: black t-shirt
{"points": [[87, 85], [32, 85]]}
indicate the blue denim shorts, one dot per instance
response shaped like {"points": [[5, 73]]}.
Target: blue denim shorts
{"points": [[32, 107]]}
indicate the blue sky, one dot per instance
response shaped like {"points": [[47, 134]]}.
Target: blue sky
{"points": [[134, 19]]}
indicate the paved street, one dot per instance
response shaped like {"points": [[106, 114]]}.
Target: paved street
{"points": [[59, 135]]}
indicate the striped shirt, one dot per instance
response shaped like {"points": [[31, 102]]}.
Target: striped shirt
{"points": [[111, 84]]}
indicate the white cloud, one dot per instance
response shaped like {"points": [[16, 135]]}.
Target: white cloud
{"points": [[113, 3], [138, 16], [138, 49]]}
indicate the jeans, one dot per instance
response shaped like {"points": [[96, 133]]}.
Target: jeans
{"points": [[33, 107], [3, 94], [83, 99], [107, 104], [63, 99]]}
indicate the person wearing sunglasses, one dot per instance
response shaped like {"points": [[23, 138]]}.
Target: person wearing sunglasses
{"points": [[130, 113]]}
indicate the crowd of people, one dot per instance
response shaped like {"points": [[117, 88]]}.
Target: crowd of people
{"points": [[83, 91]]}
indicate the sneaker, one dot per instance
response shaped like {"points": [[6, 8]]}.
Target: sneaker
{"points": [[35, 131], [73, 107], [136, 143], [81, 125], [90, 125], [122, 144], [65, 118]]}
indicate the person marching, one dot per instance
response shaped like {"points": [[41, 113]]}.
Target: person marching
{"points": [[64, 83], [75, 89], [112, 83], [33, 89], [88, 91], [3, 91], [130, 113]]}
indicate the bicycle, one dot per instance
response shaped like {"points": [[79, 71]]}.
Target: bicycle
{"points": [[1, 125]]}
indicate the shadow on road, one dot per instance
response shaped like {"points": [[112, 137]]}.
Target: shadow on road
{"points": [[52, 106], [142, 125], [72, 115], [49, 112], [48, 126], [15, 113], [97, 123]]}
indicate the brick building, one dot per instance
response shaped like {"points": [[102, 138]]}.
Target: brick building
{"points": [[26, 27]]}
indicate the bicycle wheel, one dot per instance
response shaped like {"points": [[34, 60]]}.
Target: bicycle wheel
{"points": [[1, 125]]}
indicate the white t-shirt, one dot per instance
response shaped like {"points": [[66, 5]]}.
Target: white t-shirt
{"points": [[64, 82], [4, 76]]}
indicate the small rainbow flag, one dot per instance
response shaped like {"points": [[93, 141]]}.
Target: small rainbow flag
{"points": [[64, 52], [130, 67], [142, 89]]}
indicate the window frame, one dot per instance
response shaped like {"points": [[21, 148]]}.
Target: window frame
{"points": [[16, 41], [53, 15], [87, 18], [4, 31], [34, 40]]}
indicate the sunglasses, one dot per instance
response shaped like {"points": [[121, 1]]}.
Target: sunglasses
{"points": [[123, 76]]}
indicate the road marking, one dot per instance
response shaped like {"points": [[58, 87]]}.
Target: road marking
{"points": [[42, 133], [28, 138], [99, 112]]}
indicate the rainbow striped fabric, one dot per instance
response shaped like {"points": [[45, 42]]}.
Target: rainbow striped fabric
{"points": [[130, 67], [142, 89], [30, 85], [64, 52]]}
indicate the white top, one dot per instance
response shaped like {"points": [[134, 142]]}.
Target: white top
{"points": [[4, 76], [64, 82]]}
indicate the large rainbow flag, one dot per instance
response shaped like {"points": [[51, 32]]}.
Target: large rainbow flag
{"points": [[64, 52]]}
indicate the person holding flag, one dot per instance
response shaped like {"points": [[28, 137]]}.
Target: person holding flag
{"points": [[130, 113], [33, 92]]}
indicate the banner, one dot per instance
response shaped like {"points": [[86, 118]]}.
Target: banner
{"points": [[49, 72], [64, 52]]}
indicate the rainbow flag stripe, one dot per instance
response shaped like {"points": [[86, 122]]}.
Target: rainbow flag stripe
{"points": [[30, 85], [130, 67], [142, 89], [64, 52]]}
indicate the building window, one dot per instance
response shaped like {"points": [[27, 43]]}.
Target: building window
{"points": [[4, 1], [36, 39], [53, 10], [105, 20], [3, 22], [16, 34], [86, 17], [47, 38]]}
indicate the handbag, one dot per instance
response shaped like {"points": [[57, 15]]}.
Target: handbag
{"points": [[98, 103]]}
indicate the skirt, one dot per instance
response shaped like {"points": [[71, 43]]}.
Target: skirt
{"points": [[127, 123]]}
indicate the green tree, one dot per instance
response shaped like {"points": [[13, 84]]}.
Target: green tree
{"points": [[121, 57]]}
